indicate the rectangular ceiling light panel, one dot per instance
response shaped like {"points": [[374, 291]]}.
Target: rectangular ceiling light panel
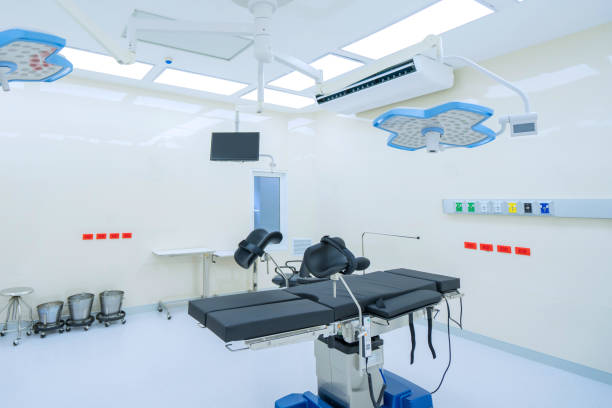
{"points": [[91, 61], [279, 98], [199, 82], [331, 65], [436, 19]]}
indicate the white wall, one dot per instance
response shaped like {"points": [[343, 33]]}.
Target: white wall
{"points": [[558, 300], [83, 157]]}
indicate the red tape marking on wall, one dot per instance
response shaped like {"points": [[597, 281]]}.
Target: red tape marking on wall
{"points": [[470, 245], [114, 235], [100, 236], [88, 237], [522, 251], [506, 249], [126, 235], [486, 247]]}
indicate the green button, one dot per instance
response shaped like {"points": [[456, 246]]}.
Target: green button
{"points": [[471, 207], [459, 207]]}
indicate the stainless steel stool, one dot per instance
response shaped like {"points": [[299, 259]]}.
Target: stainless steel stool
{"points": [[13, 314]]}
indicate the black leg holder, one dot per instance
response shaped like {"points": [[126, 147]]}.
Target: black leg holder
{"points": [[429, 328], [412, 335]]}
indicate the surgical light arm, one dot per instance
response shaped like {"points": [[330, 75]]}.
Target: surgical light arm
{"points": [[521, 125]]}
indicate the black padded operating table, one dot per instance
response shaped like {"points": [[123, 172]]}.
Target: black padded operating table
{"points": [[386, 295]]}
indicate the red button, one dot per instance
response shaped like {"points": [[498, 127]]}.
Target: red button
{"points": [[470, 245], [486, 247], [522, 251], [87, 237], [126, 235], [506, 249], [100, 236], [114, 235]]}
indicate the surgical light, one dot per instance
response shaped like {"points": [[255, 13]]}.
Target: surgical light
{"points": [[91, 61], [436, 19]]}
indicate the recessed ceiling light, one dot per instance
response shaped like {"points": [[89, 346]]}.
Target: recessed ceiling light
{"points": [[199, 82], [90, 61], [331, 65], [436, 19], [280, 98]]}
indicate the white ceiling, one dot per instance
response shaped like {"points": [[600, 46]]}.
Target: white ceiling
{"points": [[307, 29]]}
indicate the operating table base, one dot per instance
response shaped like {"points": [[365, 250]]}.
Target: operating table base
{"points": [[400, 393]]}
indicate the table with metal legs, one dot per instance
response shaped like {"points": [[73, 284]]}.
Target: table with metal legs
{"points": [[208, 256], [13, 312]]}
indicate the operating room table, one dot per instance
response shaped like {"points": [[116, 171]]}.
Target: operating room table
{"points": [[348, 347]]}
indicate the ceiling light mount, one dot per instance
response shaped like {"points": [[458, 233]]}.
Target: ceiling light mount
{"points": [[259, 30]]}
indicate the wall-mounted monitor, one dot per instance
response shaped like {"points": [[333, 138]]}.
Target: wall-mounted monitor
{"points": [[234, 146]]}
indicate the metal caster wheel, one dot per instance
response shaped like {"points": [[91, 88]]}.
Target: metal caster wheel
{"points": [[61, 330], [169, 317], [159, 309], [28, 333], [43, 335], [67, 329], [86, 328], [123, 321], [15, 342], [106, 324], [2, 334]]}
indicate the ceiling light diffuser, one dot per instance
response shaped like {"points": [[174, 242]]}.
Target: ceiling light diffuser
{"points": [[436, 19], [199, 82], [332, 65], [91, 61], [281, 98]]}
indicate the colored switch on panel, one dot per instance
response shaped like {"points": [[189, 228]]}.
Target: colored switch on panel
{"points": [[459, 207], [126, 235], [471, 207], [100, 236], [88, 237], [545, 208], [512, 208], [470, 245], [114, 235], [527, 208], [486, 247]]}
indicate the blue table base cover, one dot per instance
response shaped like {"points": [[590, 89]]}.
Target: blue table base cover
{"points": [[400, 393]]}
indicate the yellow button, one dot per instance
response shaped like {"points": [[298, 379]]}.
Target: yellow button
{"points": [[512, 207]]}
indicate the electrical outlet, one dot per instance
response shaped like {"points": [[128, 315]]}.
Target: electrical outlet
{"points": [[497, 207], [471, 207], [484, 207], [512, 208], [459, 207], [527, 208]]}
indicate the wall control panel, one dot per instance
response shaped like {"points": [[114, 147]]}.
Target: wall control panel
{"points": [[541, 207]]}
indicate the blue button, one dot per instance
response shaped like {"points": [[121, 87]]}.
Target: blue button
{"points": [[545, 208]]}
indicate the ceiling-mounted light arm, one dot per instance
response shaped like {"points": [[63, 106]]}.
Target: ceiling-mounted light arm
{"points": [[113, 47], [260, 86], [136, 24], [496, 77], [520, 125], [300, 66]]}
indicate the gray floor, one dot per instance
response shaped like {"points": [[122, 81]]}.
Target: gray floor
{"points": [[152, 362]]}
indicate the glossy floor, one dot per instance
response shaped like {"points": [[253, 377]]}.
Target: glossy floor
{"points": [[152, 362]]}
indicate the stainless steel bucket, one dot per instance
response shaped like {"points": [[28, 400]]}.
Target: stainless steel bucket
{"points": [[110, 302], [80, 306], [50, 312]]}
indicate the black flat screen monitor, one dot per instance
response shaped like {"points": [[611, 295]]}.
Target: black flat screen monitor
{"points": [[234, 146]]}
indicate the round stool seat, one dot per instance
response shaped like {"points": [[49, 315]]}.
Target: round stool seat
{"points": [[18, 291]]}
